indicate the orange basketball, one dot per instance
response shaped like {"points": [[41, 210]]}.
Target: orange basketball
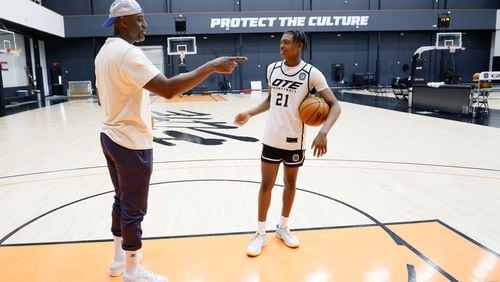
{"points": [[313, 111]]}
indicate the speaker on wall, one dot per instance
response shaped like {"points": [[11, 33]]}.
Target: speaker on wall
{"points": [[418, 72], [180, 24]]}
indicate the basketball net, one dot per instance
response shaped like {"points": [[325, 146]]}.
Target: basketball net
{"points": [[14, 51], [182, 54]]}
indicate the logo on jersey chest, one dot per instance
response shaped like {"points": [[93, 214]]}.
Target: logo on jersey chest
{"points": [[285, 84]]}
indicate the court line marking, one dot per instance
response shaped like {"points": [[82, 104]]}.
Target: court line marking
{"points": [[247, 166], [220, 234], [255, 159], [473, 241], [412, 277]]}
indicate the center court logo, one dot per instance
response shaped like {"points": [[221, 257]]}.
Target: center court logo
{"points": [[172, 127]]}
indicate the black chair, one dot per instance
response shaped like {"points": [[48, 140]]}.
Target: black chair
{"points": [[480, 100], [400, 90], [225, 85]]}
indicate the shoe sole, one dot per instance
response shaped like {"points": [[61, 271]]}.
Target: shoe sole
{"points": [[115, 273], [256, 254], [290, 246], [253, 254], [118, 272]]}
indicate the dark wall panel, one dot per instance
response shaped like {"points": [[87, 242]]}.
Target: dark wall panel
{"points": [[209, 47], [102, 7], [277, 5], [396, 50], [183, 6], [476, 4], [350, 49], [406, 5], [156, 6], [261, 50], [76, 57], [99, 6], [69, 7], [341, 5], [475, 58], [149, 6]]}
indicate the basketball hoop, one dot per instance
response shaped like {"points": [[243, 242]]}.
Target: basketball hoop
{"points": [[181, 46], [14, 51]]}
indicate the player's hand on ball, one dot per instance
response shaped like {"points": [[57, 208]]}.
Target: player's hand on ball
{"points": [[241, 118]]}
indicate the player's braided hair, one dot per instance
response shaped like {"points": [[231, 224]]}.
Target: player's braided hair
{"points": [[299, 36]]}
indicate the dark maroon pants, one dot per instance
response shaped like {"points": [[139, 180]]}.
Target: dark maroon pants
{"points": [[130, 172]]}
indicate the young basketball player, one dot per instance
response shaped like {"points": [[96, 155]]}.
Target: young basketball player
{"points": [[290, 82], [122, 74]]}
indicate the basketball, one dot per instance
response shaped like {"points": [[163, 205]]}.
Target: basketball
{"points": [[313, 111]]}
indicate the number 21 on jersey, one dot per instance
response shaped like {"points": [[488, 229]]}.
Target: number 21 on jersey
{"points": [[282, 100]]}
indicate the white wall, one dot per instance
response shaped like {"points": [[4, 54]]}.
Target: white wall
{"points": [[30, 14], [155, 55], [15, 76]]}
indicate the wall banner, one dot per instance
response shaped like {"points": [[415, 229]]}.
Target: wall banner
{"points": [[228, 23]]}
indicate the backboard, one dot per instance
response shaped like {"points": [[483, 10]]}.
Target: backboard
{"points": [[178, 44], [7, 41], [449, 40]]}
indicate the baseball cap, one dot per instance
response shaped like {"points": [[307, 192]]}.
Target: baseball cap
{"points": [[121, 8]]}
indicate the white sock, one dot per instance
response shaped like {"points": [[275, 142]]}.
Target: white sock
{"points": [[132, 262], [119, 252], [261, 227], [283, 221]]}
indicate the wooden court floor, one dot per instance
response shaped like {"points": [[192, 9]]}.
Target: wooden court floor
{"points": [[398, 197]]}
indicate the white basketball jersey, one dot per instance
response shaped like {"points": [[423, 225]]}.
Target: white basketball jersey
{"points": [[288, 87]]}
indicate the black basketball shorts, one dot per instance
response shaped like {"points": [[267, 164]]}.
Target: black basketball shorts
{"points": [[276, 155]]}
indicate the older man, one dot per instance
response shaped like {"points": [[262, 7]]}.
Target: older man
{"points": [[122, 74]]}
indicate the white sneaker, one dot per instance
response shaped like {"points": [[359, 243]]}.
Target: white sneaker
{"points": [[116, 268], [143, 275], [284, 234], [256, 244]]}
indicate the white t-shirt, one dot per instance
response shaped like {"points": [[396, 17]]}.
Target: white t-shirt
{"points": [[288, 87], [122, 70]]}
